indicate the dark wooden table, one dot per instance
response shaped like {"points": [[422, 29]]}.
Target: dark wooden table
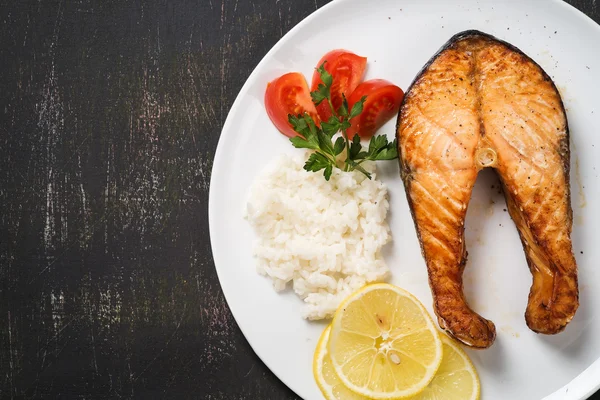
{"points": [[110, 112]]}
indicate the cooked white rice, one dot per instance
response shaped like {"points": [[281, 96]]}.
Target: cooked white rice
{"points": [[324, 237]]}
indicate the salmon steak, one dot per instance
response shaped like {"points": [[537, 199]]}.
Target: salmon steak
{"points": [[478, 103]]}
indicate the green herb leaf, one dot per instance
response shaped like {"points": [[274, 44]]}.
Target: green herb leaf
{"points": [[357, 108], [305, 126], [361, 156], [358, 167], [380, 149], [343, 110], [377, 143], [298, 124], [327, 172], [331, 127], [318, 96], [325, 142], [389, 152], [301, 143], [345, 125], [312, 127], [323, 91], [339, 146], [316, 162], [355, 147], [325, 75]]}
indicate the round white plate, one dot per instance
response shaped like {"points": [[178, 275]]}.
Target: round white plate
{"points": [[398, 37]]}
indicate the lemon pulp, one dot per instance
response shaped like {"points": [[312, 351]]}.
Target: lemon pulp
{"points": [[456, 378], [383, 344], [327, 379]]}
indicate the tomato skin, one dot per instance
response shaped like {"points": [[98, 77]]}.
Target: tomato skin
{"points": [[286, 95], [382, 103], [347, 70]]}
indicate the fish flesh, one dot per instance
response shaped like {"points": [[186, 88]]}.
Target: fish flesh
{"points": [[478, 103]]}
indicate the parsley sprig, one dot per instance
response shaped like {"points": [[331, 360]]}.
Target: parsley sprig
{"points": [[320, 138]]}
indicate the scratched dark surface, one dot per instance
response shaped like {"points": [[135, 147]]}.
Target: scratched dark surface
{"points": [[110, 112]]}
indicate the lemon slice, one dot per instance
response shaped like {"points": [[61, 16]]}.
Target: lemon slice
{"points": [[456, 379], [330, 384], [383, 344]]}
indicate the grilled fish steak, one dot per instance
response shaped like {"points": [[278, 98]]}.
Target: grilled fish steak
{"points": [[480, 102]]}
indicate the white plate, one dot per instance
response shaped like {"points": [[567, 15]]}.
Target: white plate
{"points": [[398, 37]]}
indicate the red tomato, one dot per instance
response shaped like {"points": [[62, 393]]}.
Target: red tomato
{"points": [[347, 70], [382, 103], [289, 94]]}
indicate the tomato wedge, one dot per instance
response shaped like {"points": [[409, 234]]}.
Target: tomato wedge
{"points": [[289, 94], [347, 70], [382, 103]]}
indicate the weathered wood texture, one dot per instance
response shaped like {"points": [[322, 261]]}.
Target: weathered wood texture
{"points": [[110, 112]]}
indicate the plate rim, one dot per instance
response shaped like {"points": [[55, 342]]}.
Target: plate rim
{"points": [[582, 387]]}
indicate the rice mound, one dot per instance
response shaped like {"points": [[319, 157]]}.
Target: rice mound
{"points": [[324, 237]]}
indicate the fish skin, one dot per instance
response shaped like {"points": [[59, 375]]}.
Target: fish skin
{"points": [[481, 102]]}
